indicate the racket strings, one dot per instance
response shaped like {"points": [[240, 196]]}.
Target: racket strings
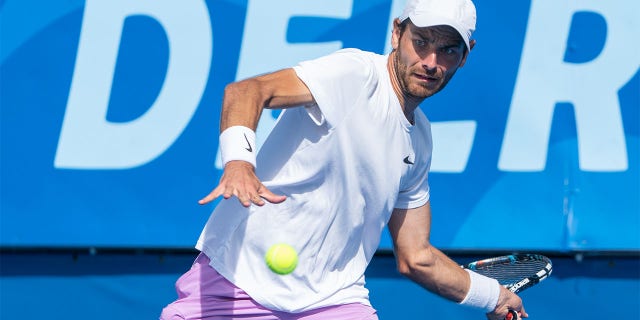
{"points": [[510, 272]]}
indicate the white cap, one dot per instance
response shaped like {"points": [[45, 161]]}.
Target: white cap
{"points": [[459, 14]]}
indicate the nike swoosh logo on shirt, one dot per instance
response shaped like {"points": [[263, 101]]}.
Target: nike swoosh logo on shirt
{"points": [[407, 161], [249, 144]]}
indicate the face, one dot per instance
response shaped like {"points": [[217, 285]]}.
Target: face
{"points": [[426, 58]]}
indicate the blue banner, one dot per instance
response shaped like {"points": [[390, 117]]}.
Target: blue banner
{"points": [[110, 112]]}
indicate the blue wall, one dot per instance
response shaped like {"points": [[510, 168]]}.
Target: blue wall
{"points": [[109, 122], [130, 285], [110, 115]]}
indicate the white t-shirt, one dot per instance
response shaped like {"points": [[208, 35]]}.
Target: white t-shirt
{"points": [[344, 165]]}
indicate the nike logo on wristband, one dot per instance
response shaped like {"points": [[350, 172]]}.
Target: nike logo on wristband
{"points": [[407, 161], [248, 143]]}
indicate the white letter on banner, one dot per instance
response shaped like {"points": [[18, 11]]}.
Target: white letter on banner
{"points": [[265, 48], [87, 139], [452, 143], [544, 80]]}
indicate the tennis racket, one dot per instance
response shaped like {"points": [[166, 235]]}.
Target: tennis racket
{"points": [[516, 272]]}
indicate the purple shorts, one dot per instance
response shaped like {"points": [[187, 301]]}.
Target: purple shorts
{"points": [[204, 294]]}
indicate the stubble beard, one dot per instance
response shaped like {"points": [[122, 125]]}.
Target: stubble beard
{"points": [[413, 90]]}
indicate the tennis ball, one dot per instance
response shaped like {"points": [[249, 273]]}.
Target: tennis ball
{"points": [[281, 258]]}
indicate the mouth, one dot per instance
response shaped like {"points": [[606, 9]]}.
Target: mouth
{"points": [[426, 78]]}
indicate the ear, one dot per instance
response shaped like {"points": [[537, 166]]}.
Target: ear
{"points": [[395, 34], [472, 43]]}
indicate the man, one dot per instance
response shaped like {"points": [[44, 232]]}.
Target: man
{"points": [[349, 154]]}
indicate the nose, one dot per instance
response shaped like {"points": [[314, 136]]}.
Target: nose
{"points": [[430, 61]]}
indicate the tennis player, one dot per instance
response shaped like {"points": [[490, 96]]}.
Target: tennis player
{"points": [[349, 154]]}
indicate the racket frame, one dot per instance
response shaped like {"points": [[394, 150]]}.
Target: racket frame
{"points": [[512, 259]]}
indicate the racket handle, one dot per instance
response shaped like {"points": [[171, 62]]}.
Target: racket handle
{"points": [[512, 315]]}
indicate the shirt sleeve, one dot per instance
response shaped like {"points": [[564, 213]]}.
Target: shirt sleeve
{"points": [[414, 197], [414, 191]]}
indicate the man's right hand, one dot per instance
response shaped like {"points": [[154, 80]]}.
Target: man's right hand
{"points": [[239, 180], [507, 301]]}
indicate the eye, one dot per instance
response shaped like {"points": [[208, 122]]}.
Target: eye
{"points": [[450, 50], [419, 42]]}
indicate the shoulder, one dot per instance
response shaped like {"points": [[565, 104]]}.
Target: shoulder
{"points": [[358, 54], [423, 126], [421, 118], [360, 58], [342, 67], [348, 59]]}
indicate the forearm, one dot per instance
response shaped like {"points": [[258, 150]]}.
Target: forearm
{"points": [[242, 105], [436, 272], [244, 101], [419, 260], [432, 269]]}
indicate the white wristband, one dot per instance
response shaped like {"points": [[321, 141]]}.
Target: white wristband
{"points": [[483, 292], [238, 143]]}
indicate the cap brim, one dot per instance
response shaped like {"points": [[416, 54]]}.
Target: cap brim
{"points": [[427, 20]]}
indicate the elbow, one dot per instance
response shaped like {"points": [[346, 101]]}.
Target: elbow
{"points": [[416, 264], [405, 268], [240, 89], [245, 96]]}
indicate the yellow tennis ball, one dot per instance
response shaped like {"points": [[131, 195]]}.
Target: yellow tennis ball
{"points": [[281, 258]]}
